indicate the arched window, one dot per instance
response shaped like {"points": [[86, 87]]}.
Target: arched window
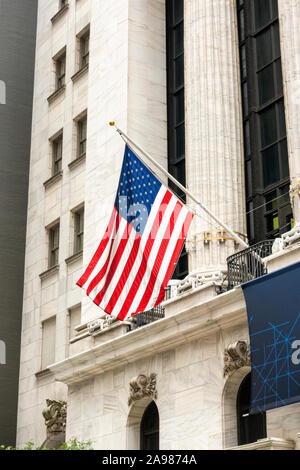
{"points": [[251, 428], [150, 428]]}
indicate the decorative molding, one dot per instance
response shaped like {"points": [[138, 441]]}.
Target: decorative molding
{"points": [[49, 272], [291, 237], [270, 443], [59, 13], [141, 387], [236, 356], [100, 324], [43, 373], [184, 321], [80, 73], [55, 415], [56, 94], [75, 257], [77, 161], [53, 179]]}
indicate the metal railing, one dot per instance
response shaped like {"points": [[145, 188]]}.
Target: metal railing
{"points": [[246, 265], [144, 318]]}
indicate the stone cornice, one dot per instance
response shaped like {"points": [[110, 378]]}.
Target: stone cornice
{"points": [[59, 13], [270, 443], [223, 311], [80, 73]]}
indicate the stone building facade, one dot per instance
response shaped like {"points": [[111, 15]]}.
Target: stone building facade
{"points": [[169, 73]]}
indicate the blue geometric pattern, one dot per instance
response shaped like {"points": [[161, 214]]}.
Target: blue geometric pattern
{"points": [[273, 305], [138, 188]]}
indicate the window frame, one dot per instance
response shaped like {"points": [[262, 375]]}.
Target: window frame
{"points": [[78, 230], [53, 257], [253, 109], [57, 154], [84, 54], [81, 139], [60, 70]]}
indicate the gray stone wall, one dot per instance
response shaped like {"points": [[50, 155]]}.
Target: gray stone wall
{"points": [[17, 52]]}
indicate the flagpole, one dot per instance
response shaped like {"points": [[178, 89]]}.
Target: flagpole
{"points": [[125, 137]]}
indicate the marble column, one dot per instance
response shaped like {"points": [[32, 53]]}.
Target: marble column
{"points": [[289, 19], [214, 134]]}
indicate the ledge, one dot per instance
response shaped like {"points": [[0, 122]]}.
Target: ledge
{"points": [[77, 161], [80, 73], [190, 323], [56, 94], [53, 179], [74, 257], [271, 443], [60, 13], [43, 373], [49, 272]]}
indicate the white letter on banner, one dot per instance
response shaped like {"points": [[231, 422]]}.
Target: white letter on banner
{"points": [[296, 354], [2, 353]]}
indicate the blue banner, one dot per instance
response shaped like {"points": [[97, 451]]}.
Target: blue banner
{"points": [[273, 306]]}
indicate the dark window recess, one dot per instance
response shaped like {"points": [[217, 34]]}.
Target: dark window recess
{"points": [[266, 152], [79, 230], [176, 118], [54, 246], [251, 428], [82, 136], [84, 49], [150, 428], [60, 71], [57, 149]]}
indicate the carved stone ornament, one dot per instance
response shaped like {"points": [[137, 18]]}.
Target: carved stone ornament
{"points": [[237, 355], [141, 387], [55, 415]]}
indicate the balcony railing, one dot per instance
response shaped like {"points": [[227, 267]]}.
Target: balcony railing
{"points": [[246, 265], [145, 318]]}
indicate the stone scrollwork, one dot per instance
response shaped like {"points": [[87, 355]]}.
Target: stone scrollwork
{"points": [[236, 356], [55, 415], [141, 387]]}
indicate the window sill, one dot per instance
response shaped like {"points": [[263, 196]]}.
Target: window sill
{"points": [[74, 258], [56, 94], [77, 161], [80, 73], [43, 373], [59, 13], [49, 272], [53, 179]]}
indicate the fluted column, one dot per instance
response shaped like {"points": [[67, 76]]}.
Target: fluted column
{"points": [[289, 18], [214, 147]]}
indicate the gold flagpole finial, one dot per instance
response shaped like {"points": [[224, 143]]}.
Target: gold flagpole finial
{"points": [[112, 123]]}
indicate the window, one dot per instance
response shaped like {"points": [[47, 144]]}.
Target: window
{"points": [[60, 64], [266, 152], [82, 136], [79, 230], [84, 49], [57, 148], [176, 118], [251, 428], [150, 428], [74, 320], [54, 246], [48, 342]]}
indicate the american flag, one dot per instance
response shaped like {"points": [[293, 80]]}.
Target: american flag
{"points": [[132, 266]]}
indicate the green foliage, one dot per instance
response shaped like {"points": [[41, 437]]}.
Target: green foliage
{"points": [[72, 444]]}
